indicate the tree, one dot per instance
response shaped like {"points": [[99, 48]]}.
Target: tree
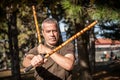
{"points": [[110, 29], [18, 16], [10, 18], [77, 15], [107, 12], [78, 12], [13, 45]]}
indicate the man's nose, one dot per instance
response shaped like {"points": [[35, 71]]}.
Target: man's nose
{"points": [[51, 33]]}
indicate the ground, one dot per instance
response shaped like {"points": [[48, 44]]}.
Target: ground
{"points": [[109, 70]]}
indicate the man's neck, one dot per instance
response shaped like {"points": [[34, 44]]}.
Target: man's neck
{"points": [[49, 46]]}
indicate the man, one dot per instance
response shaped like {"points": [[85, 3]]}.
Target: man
{"points": [[59, 65]]}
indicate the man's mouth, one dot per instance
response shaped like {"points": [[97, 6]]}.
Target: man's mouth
{"points": [[53, 39]]}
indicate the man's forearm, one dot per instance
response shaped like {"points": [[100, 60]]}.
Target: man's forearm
{"points": [[27, 60], [64, 61]]}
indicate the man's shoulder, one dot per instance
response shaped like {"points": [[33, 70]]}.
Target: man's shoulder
{"points": [[33, 50], [69, 45]]}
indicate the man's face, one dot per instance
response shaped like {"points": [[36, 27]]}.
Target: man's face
{"points": [[50, 33]]}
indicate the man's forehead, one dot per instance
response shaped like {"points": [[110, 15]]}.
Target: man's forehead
{"points": [[50, 25]]}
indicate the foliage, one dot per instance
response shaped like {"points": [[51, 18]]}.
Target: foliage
{"points": [[110, 29], [27, 38], [104, 13], [104, 10], [72, 11]]}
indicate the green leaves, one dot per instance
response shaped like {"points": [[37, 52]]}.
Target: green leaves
{"points": [[104, 13], [72, 11]]}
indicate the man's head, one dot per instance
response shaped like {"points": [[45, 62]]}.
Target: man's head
{"points": [[50, 31]]}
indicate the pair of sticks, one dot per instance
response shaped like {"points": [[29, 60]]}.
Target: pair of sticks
{"points": [[63, 44]]}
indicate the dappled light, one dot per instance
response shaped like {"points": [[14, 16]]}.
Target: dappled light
{"points": [[107, 71], [96, 59], [83, 64]]}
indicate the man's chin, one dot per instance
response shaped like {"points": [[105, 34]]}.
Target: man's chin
{"points": [[53, 43]]}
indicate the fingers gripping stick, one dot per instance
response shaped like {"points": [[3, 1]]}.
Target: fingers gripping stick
{"points": [[66, 42], [38, 34], [30, 67]]}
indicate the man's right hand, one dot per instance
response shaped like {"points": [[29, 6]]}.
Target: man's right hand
{"points": [[42, 49], [34, 60], [37, 60]]}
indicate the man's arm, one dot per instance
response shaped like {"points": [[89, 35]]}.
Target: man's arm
{"points": [[27, 60], [67, 61], [33, 58]]}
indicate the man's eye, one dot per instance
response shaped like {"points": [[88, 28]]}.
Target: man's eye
{"points": [[55, 31], [47, 31]]}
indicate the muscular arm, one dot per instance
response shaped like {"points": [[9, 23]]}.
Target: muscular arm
{"points": [[66, 57], [27, 60], [32, 58], [66, 61]]}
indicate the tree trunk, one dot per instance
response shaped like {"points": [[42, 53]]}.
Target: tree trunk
{"points": [[13, 45], [83, 60], [91, 49], [83, 55]]}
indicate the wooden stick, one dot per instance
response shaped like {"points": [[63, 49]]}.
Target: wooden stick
{"points": [[66, 42], [36, 24], [70, 39]]}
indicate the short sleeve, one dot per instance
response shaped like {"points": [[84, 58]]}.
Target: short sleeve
{"points": [[33, 51], [67, 49]]}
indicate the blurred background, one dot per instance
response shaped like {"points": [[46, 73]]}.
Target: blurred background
{"points": [[97, 51]]}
